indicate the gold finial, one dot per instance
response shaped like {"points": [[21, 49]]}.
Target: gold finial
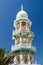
{"points": [[21, 6]]}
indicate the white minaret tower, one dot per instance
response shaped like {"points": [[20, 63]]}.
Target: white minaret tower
{"points": [[23, 37]]}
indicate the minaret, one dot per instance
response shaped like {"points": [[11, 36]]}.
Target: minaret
{"points": [[23, 36]]}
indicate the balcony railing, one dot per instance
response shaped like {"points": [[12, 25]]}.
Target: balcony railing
{"points": [[23, 46]]}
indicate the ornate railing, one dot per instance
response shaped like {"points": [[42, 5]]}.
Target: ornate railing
{"points": [[23, 46]]}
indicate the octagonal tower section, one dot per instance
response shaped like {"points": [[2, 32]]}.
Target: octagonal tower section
{"points": [[23, 36]]}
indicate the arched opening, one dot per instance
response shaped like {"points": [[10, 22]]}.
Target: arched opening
{"points": [[29, 40], [24, 40], [18, 59], [23, 26], [25, 59], [18, 41]]}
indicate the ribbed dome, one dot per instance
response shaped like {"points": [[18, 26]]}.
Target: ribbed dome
{"points": [[21, 14]]}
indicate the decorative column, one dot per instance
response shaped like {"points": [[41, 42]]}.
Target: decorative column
{"points": [[28, 58], [27, 42], [20, 26], [15, 61], [32, 60], [21, 58], [26, 26], [20, 41], [15, 42]]}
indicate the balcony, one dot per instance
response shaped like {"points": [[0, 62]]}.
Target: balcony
{"points": [[23, 46]]}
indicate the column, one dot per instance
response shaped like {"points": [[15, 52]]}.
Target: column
{"points": [[28, 57], [26, 26], [27, 42], [15, 60], [20, 40], [32, 60], [21, 58], [30, 45], [20, 25], [15, 42]]}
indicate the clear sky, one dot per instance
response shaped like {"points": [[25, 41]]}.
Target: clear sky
{"points": [[8, 11]]}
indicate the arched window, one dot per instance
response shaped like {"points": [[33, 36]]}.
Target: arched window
{"points": [[18, 59], [18, 41], [24, 40], [29, 40], [23, 26], [25, 59]]}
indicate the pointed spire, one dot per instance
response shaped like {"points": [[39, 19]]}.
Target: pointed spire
{"points": [[21, 6]]}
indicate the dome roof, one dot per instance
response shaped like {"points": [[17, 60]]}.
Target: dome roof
{"points": [[21, 14]]}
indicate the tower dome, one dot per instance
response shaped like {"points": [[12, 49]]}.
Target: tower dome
{"points": [[21, 13], [22, 16]]}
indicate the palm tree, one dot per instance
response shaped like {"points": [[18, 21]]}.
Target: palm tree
{"points": [[5, 58]]}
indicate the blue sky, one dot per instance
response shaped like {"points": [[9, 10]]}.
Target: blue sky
{"points": [[8, 11]]}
